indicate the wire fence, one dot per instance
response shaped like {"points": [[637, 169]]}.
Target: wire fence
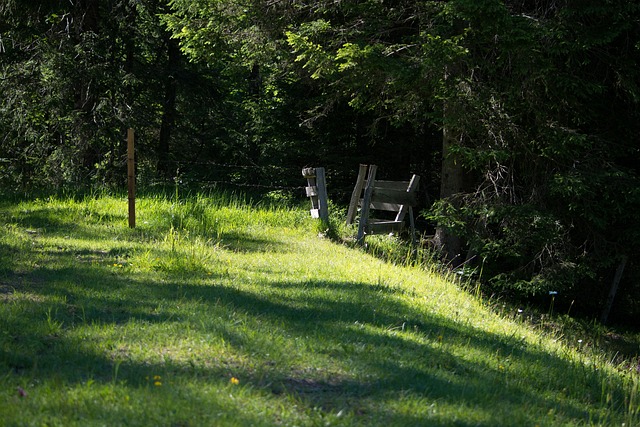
{"points": [[220, 175], [215, 174]]}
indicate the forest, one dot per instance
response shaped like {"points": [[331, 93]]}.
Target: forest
{"points": [[521, 117]]}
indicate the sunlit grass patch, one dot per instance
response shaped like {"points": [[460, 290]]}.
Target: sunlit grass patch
{"points": [[214, 311]]}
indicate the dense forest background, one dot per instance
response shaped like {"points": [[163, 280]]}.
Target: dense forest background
{"points": [[521, 116]]}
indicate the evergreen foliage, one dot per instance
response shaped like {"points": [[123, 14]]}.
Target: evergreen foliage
{"points": [[538, 102]]}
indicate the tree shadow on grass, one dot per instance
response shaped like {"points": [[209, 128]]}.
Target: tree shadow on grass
{"points": [[355, 330], [64, 222], [375, 350], [237, 241], [349, 325]]}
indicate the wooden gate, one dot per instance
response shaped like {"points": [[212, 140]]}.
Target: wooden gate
{"points": [[391, 196]]}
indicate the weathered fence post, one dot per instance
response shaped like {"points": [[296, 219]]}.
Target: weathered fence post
{"points": [[317, 192], [355, 196], [131, 178], [380, 195], [366, 203]]}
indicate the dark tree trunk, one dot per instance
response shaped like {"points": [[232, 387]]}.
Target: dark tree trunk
{"points": [[451, 186], [129, 37], [90, 19], [168, 107], [452, 182], [87, 20]]}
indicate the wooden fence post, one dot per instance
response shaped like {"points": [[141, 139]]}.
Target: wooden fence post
{"points": [[131, 177], [317, 192], [366, 203], [355, 196]]}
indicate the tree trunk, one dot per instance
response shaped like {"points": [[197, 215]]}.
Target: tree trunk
{"points": [[87, 19], [452, 173], [168, 107], [129, 36], [614, 289], [451, 186]]}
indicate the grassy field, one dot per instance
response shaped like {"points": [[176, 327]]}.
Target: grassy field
{"points": [[215, 311]]}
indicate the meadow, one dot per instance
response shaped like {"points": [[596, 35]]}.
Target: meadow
{"points": [[219, 311]]}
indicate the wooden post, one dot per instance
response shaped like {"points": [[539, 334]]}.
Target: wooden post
{"points": [[413, 187], [366, 203], [355, 196], [131, 178], [323, 199], [317, 192]]}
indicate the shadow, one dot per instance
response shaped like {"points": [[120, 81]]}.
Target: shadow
{"points": [[7, 255], [245, 243], [372, 349], [63, 222]]}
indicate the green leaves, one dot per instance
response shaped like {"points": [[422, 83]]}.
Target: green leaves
{"points": [[312, 55]]}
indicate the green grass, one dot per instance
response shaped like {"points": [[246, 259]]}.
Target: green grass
{"points": [[219, 311]]}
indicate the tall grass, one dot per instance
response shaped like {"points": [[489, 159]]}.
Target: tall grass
{"points": [[217, 310]]}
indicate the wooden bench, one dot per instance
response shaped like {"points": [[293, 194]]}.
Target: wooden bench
{"points": [[398, 197]]}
